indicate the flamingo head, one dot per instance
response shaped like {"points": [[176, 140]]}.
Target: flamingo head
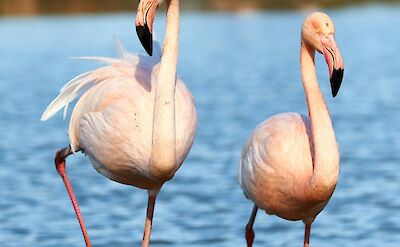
{"points": [[144, 23], [319, 32]]}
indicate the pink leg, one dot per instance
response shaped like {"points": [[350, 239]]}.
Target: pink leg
{"points": [[249, 227], [307, 235], [60, 166], [149, 220]]}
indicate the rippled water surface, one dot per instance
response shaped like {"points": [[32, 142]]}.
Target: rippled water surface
{"points": [[241, 68]]}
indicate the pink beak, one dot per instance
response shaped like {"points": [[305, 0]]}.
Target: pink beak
{"points": [[144, 23], [335, 62]]}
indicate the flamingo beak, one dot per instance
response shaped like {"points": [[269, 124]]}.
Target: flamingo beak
{"points": [[335, 62], [144, 23]]}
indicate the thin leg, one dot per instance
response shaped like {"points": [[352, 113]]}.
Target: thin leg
{"points": [[307, 235], [249, 227], [149, 220], [60, 166]]}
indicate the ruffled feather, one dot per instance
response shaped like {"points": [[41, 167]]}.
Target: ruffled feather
{"points": [[82, 83]]}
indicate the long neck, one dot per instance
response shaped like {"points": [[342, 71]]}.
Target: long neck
{"points": [[325, 151], [163, 159]]}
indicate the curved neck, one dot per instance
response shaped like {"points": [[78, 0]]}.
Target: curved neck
{"points": [[163, 156], [325, 154]]}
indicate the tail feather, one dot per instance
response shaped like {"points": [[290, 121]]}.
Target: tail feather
{"points": [[74, 80], [69, 92], [105, 60], [82, 83], [120, 48]]}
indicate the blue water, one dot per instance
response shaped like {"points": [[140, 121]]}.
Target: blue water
{"points": [[241, 68]]}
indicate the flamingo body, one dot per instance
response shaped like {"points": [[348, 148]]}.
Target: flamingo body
{"points": [[290, 164], [275, 162], [112, 121], [135, 119]]}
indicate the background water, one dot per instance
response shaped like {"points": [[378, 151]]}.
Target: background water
{"points": [[241, 68]]}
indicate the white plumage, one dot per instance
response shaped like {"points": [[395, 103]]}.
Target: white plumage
{"points": [[135, 119], [112, 120]]}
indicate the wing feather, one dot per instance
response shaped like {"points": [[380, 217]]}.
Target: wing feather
{"points": [[84, 82], [68, 94]]}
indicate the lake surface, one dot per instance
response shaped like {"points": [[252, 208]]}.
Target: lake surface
{"points": [[241, 69]]}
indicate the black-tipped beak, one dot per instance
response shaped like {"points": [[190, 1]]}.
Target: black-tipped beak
{"points": [[336, 80], [144, 23], [335, 62], [146, 38]]}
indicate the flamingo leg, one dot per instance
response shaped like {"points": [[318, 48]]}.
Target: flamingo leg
{"points": [[61, 155], [307, 235], [149, 220], [249, 227]]}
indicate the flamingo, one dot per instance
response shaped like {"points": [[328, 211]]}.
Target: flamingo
{"points": [[290, 165], [135, 120]]}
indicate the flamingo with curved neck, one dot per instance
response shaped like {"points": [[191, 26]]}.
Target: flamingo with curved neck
{"points": [[135, 119], [163, 160], [290, 165]]}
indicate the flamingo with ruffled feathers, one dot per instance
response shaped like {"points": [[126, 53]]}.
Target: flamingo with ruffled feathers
{"points": [[290, 164], [135, 120]]}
